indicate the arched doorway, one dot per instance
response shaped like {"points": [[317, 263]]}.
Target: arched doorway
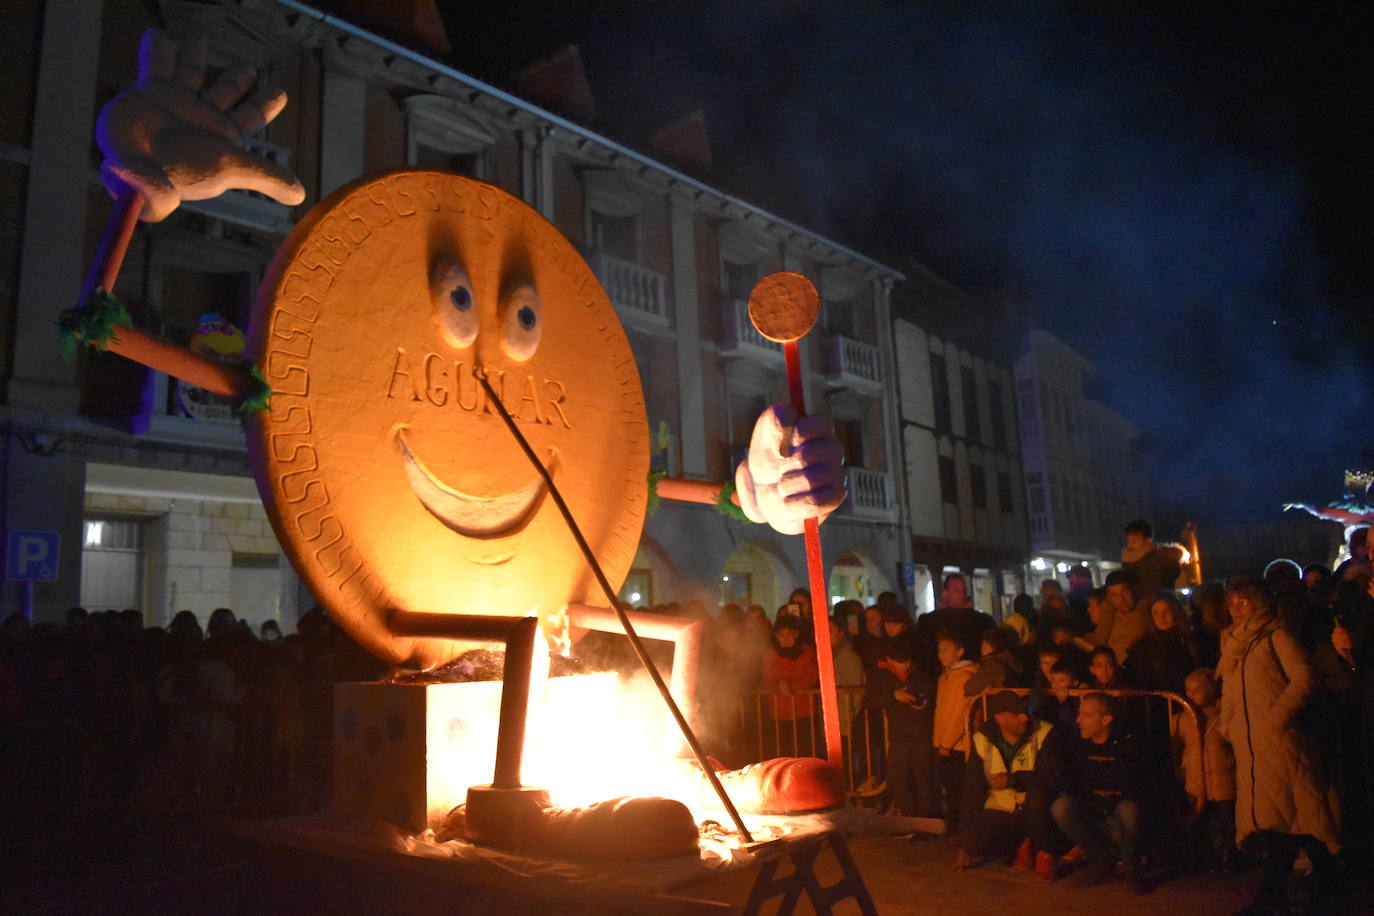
{"points": [[854, 576], [756, 574], [650, 580]]}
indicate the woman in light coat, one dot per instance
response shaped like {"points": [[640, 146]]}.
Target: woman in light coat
{"points": [[1282, 795]]}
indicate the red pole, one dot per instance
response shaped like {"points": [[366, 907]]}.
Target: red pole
{"points": [[820, 600]]}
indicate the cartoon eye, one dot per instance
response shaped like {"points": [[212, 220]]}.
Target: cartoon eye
{"points": [[455, 307], [521, 322]]}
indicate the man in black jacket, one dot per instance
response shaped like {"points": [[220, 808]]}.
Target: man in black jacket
{"points": [[953, 616], [904, 689], [1099, 773]]}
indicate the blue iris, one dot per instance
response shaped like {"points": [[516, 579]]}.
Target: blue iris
{"points": [[526, 317], [461, 298]]}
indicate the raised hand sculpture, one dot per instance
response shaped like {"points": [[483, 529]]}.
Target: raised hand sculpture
{"points": [[171, 138]]}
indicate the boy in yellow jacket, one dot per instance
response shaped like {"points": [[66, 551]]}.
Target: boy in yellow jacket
{"points": [[951, 723]]}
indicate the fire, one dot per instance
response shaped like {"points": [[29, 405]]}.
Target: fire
{"points": [[588, 737]]}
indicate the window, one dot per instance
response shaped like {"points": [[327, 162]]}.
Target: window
{"points": [[111, 564], [745, 409], [1037, 500], [617, 236], [1004, 491], [949, 480], [639, 587], [973, 428], [740, 279], [939, 386], [980, 486], [999, 425], [472, 165], [851, 436], [839, 318]]}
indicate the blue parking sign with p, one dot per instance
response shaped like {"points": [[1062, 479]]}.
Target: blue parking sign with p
{"points": [[31, 556]]}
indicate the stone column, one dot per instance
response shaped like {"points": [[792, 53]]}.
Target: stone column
{"points": [[686, 307], [342, 126], [53, 258]]}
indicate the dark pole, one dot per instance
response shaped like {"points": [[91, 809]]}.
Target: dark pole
{"points": [[515, 697], [519, 634], [697, 751]]}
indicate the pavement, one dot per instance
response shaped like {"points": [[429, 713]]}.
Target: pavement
{"points": [[183, 869]]}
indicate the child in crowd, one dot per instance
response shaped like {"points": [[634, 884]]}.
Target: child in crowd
{"points": [[999, 666], [1106, 671], [1218, 791], [1061, 709], [951, 723], [1047, 658]]}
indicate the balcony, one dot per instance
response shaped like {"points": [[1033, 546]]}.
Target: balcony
{"points": [[870, 496], [636, 292], [738, 337], [852, 363], [249, 208]]}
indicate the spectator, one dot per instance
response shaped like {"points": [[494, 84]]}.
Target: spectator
{"points": [[1080, 585], [951, 723], [1063, 642], [1100, 617], [789, 668], [1209, 612], [897, 629], [1055, 614], [849, 674], [1022, 618], [1127, 620], [904, 690], [1006, 810], [1358, 544], [1050, 586], [1097, 773], [1163, 657], [953, 616], [1155, 568], [270, 632], [1316, 578], [1209, 751], [999, 666], [1046, 659], [1282, 800], [870, 641], [1057, 705], [1106, 673]]}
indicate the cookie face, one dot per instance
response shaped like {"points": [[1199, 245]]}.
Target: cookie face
{"points": [[390, 480]]}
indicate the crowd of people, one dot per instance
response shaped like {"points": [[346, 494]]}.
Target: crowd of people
{"points": [[1074, 761], [1116, 716], [107, 722]]}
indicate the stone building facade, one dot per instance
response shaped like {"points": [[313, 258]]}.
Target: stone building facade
{"points": [[1086, 475], [962, 481], [133, 468]]}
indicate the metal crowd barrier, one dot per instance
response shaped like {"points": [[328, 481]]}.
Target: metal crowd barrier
{"points": [[1172, 703], [865, 738]]}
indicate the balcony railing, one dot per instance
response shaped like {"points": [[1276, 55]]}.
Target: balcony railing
{"points": [[636, 292], [852, 362], [870, 495], [739, 338], [249, 208]]}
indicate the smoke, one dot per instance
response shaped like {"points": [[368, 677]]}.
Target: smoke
{"points": [[1160, 188]]}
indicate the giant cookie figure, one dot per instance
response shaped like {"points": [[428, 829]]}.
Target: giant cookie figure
{"points": [[390, 480]]}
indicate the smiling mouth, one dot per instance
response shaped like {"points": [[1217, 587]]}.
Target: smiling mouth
{"points": [[472, 516]]}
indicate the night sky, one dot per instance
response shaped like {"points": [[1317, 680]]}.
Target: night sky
{"points": [[1184, 198]]}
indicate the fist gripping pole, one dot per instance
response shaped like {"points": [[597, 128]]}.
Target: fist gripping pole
{"points": [[783, 307]]}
